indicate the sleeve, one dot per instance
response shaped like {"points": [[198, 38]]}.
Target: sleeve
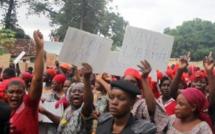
{"points": [[31, 103], [205, 129], [160, 118]]}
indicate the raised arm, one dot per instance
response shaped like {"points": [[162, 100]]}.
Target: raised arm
{"points": [[208, 63], [36, 84], [146, 91], [88, 94], [105, 84], [183, 64]]}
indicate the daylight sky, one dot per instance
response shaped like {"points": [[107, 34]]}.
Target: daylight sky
{"points": [[149, 14]]}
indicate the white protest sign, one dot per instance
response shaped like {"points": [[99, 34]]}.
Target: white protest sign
{"points": [[50, 106], [53, 47], [18, 58], [80, 46], [113, 65], [139, 44]]}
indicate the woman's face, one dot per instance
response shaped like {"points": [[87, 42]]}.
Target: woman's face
{"points": [[200, 84], [66, 85], [120, 103], [183, 109], [164, 87], [76, 97], [56, 87], [15, 95]]}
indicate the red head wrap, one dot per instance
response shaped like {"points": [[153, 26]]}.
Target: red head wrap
{"points": [[26, 76], [135, 73], [197, 98], [59, 78], [51, 72]]}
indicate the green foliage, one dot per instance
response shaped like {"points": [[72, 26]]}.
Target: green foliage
{"points": [[196, 36], [90, 15], [7, 39], [10, 17]]}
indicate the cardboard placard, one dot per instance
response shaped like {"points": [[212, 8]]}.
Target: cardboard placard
{"points": [[80, 46]]}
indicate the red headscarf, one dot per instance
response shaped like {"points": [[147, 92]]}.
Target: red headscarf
{"points": [[4, 85], [65, 66], [200, 74], [26, 76], [59, 78], [51, 72], [197, 98], [135, 73]]}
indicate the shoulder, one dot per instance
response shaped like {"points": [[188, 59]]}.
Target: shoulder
{"points": [[104, 118], [29, 102], [141, 126], [104, 124], [204, 128]]}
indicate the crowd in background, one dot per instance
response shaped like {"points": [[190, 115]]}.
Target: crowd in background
{"points": [[180, 101]]}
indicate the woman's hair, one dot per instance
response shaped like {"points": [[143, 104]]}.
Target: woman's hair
{"points": [[9, 73], [164, 78], [17, 82], [196, 98]]}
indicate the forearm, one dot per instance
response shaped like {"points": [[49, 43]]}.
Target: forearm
{"points": [[149, 97], [105, 85], [36, 85], [55, 119], [211, 85], [88, 98], [175, 84]]}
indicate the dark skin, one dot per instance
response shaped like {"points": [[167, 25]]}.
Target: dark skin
{"points": [[208, 64], [16, 92], [120, 105], [183, 64], [147, 93], [87, 96], [186, 119], [165, 91], [36, 85]]}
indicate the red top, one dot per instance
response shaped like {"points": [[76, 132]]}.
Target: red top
{"points": [[170, 108], [25, 119]]}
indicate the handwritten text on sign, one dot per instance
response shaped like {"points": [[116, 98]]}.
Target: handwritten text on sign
{"points": [[139, 44], [80, 46]]}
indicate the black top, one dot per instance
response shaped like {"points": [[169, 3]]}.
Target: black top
{"points": [[134, 126], [4, 118]]}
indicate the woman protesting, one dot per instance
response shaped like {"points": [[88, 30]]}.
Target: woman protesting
{"points": [[24, 117], [190, 116]]}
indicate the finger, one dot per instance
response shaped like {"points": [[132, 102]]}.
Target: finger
{"points": [[188, 54], [141, 68], [210, 54], [147, 64], [144, 64]]}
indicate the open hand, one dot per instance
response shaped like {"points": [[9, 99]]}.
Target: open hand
{"points": [[86, 70], [145, 68], [208, 63], [184, 62]]}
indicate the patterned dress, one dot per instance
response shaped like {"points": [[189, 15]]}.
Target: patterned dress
{"points": [[201, 128]]}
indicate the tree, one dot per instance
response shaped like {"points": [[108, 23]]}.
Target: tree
{"points": [[90, 15], [196, 36], [10, 19], [7, 39]]}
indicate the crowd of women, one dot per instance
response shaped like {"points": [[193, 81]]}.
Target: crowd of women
{"points": [[181, 101]]}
